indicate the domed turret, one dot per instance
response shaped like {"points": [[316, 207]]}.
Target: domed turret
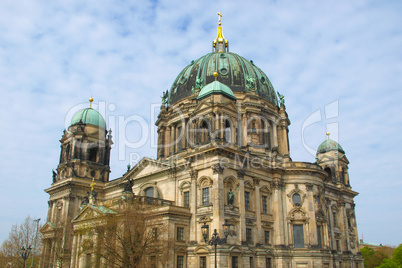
{"points": [[89, 116], [329, 145]]}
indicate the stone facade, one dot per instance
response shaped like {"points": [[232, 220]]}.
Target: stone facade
{"points": [[220, 160]]}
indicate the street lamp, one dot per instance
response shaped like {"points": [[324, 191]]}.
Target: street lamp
{"points": [[36, 236], [215, 239], [25, 253]]}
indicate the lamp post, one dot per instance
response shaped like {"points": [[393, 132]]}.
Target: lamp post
{"points": [[215, 239], [25, 253], [36, 236]]}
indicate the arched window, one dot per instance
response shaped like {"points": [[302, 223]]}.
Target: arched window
{"points": [[68, 152], [149, 192], [204, 132], [93, 152], [227, 134]]}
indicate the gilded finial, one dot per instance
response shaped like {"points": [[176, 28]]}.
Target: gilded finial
{"points": [[220, 16], [328, 135], [90, 102], [215, 74], [92, 184]]}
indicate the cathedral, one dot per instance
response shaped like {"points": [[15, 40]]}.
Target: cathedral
{"points": [[223, 169]]}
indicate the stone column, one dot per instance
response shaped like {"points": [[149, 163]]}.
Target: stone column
{"points": [[167, 141], [277, 212], [242, 208], [275, 134], [260, 234], [244, 127], [193, 206]]}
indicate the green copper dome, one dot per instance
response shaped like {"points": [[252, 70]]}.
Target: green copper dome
{"points": [[239, 74], [329, 145], [216, 87], [89, 116]]}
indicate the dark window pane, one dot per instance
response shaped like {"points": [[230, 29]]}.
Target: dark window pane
{"points": [[203, 262], [264, 205], [235, 262], [266, 233], [296, 199], [247, 200], [180, 233], [180, 261], [249, 237], [187, 199], [205, 196], [298, 236]]}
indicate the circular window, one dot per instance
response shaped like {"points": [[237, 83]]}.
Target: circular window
{"points": [[222, 55], [296, 198], [224, 71], [93, 173], [262, 80]]}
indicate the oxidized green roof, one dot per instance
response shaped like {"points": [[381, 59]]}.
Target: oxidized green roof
{"points": [[216, 87], [89, 116], [239, 74], [329, 145]]}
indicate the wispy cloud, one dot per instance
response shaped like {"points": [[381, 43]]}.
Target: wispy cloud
{"points": [[53, 56]]}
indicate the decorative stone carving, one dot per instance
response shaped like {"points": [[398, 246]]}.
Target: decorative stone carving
{"points": [[193, 174], [217, 169], [320, 216], [204, 219], [256, 181], [241, 173], [309, 186]]}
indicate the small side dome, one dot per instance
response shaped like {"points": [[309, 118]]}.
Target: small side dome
{"points": [[89, 116], [216, 87], [329, 145]]}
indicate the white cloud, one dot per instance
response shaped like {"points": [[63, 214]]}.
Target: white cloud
{"points": [[55, 55]]}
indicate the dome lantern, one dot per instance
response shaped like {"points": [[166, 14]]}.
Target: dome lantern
{"points": [[220, 44]]}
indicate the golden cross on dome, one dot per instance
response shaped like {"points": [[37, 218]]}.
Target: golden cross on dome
{"points": [[220, 16], [92, 184]]}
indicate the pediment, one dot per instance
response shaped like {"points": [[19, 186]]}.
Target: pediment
{"points": [[48, 227], [147, 167], [203, 105], [91, 212]]}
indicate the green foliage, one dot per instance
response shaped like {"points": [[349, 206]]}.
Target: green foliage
{"points": [[397, 255], [388, 263]]}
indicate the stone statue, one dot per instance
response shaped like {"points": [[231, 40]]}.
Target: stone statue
{"points": [[128, 186], [231, 196], [250, 83], [198, 84], [164, 97], [281, 99], [54, 175]]}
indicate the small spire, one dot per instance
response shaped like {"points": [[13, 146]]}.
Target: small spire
{"points": [[90, 102], [220, 43], [328, 135]]}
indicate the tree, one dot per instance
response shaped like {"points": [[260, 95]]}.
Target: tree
{"points": [[397, 255], [21, 236], [388, 263], [129, 235]]}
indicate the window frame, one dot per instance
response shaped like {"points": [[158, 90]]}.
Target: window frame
{"points": [[179, 233]]}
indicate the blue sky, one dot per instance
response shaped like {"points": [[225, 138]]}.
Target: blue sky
{"points": [[340, 60]]}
